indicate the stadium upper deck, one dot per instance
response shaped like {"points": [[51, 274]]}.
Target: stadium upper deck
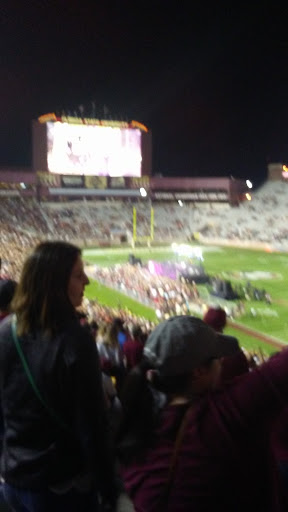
{"points": [[49, 186]]}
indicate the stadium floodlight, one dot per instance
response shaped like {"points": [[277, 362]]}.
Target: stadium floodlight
{"points": [[180, 202], [249, 184], [248, 197], [143, 192]]}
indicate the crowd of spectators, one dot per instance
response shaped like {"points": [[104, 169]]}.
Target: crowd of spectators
{"points": [[264, 219], [24, 221], [15, 245], [167, 296], [103, 315], [121, 349]]}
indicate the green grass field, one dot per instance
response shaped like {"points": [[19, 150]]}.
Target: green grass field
{"points": [[263, 270]]}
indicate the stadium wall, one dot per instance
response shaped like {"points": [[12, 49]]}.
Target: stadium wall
{"points": [[17, 175]]}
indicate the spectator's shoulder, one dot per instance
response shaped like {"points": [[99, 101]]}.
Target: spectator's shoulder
{"points": [[78, 333], [77, 342]]}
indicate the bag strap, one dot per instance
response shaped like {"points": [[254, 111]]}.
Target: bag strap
{"points": [[30, 377], [177, 445]]}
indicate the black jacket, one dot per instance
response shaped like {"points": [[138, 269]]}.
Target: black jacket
{"points": [[37, 450]]}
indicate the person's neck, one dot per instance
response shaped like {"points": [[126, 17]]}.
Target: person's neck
{"points": [[191, 396], [179, 400]]}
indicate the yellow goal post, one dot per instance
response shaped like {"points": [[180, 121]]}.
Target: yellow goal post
{"points": [[144, 239]]}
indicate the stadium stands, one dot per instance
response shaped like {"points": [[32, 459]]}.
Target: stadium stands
{"points": [[24, 221]]}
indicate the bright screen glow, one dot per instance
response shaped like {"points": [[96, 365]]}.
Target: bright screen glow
{"points": [[188, 251], [93, 150]]}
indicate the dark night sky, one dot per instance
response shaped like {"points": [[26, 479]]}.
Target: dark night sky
{"points": [[210, 82]]}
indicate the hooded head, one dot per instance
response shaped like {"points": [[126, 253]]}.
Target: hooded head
{"points": [[216, 318]]}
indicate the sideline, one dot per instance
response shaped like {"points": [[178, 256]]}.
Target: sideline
{"points": [[100, 251], [257, 334]]}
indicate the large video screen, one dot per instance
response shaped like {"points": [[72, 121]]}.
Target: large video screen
{"points": [[93, 150]]}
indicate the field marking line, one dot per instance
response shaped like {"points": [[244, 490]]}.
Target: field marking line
{"points": [[275, 342]]}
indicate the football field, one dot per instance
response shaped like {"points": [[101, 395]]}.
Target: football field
{"points": [[263, 270]]}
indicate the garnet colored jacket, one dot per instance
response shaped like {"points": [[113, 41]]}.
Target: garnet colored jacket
{"points": [[132, 351], [224, 461]]}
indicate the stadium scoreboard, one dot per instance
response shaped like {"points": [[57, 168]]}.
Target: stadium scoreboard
{"points": [[91, 147]]}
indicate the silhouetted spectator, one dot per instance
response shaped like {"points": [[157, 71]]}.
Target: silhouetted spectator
{"points": [[57, 454]]}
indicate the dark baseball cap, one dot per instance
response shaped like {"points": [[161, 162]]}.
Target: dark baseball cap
{"points": [[183, 343]]}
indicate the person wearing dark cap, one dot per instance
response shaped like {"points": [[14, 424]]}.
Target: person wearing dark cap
{"points": [[7, 290], [208, 445]]}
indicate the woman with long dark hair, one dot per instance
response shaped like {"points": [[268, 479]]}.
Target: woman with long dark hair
{"points": [[56, 450]]}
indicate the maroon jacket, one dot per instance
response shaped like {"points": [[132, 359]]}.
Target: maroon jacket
{"points": [[132, 351], [225, 460]]}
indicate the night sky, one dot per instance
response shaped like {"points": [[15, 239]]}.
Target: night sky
{"points": [[210, 82]]}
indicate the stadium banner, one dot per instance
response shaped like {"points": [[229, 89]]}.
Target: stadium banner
{"points": [[203, 196], [96, 182], [9, 193], [9, 186], [46, 118], [76, 191], [192, 196], [165, 196], [117, 182], [144, 182], [72, 181], [47, 179]]}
